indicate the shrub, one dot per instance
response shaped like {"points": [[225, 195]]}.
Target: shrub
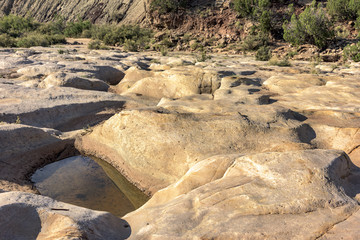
{"points": [[56, 27], [263, 54], [281, 63], [118, 36], [250, 8], [343, 9], [97, 44], [254, 42], [15, 26], [245, 8], [33, 39], [6, 40], [341, 32], [265, 21], [165, 6], [312, 27], [75, 29], [352, 51], [131, 45]]}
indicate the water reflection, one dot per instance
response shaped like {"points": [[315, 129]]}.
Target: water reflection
{"points": [[82, 181]]}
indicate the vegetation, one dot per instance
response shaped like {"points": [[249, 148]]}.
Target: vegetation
{"points": [[352, 52], [18, 31], [166, 6], [312, 26], [343, 9], [263, 54], [97, 44], [281, 63]]}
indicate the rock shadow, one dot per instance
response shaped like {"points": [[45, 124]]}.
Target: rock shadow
{"points": [[19, 221]]}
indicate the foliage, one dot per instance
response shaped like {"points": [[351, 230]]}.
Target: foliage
{"points": [[6, 40], [15, 26], [97, 44], [76, 29], [281, 63], [33, 39], [341, 32], [52, 28], [132, 36], [254, 42], [265, 21], [166, 6], [312, 26], [203, 56], [343, 9], [263, 54], [352, 51], [250, 8]]}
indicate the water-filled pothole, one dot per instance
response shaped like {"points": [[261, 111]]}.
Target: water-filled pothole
{"points": [[89, 183]]}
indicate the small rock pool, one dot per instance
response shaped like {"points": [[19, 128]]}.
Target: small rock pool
{"points": [[88, 182]]}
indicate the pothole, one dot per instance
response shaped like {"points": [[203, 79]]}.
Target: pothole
{"points": [[89, 183]]}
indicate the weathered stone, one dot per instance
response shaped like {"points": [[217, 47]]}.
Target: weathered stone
{"points": [[29, 216], [72, 80], [253, 197]]}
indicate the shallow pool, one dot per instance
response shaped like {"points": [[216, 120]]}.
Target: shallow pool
{"points": [[85, 182]]}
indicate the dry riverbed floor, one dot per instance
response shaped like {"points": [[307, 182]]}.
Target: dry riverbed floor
{"points": [[229, 148]]}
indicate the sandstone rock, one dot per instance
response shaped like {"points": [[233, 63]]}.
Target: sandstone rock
{"points": [[306, 52], [108, 74], [283, 84], [7, 62], [253, 197], [173, 83], [29, 216], [55, 107], [72, 80], [180, 138], [334, 95], [43, 69], [23, 149]]}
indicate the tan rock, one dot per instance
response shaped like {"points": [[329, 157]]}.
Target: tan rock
{"points": [[283, 84], [29, 216], [252, 197], [173, 83], [72, 80], [179, 139]]}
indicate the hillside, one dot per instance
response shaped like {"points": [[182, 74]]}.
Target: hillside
{"points": [[98, 11]]}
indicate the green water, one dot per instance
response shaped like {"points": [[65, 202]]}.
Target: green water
{"points": [[89, 183]]}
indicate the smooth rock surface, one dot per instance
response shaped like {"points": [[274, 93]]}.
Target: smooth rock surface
{"points": [[253, 197], [29, 216]]}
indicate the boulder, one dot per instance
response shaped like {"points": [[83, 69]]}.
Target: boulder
{"points": [[154, 147], [72, 80], [29, 216], [282, 195]]}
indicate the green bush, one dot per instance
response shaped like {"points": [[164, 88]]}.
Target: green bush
{"points": [[15, 26], [254, 42], [56, 27], [312, 26], [250, 8], [97, 44], [265, 21], [33, 39], [165, 6], [6, 40], [76, 29], [263, 54], [132, 37], [343, 9], [352, 51]]}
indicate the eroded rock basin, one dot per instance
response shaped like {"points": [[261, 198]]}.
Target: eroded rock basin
{"points": [[83, 182]]}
